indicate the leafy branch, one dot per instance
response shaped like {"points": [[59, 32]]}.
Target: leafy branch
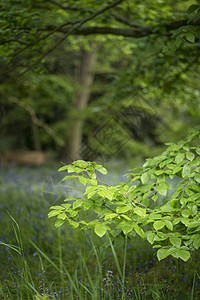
{"points": [[169, 217]]}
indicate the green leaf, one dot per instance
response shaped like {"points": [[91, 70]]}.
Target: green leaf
{"points": [[163, 253], [82, 180], [97, 208], [154, 197], [138, 230], [73, 224], [71, 199], [151, 237], [72, 213], [58, 207], [197, 178], [93, 181], [90, 189], [175, 241], [178, 41], [81, 164], [110, 216], [77, 203], [140, 211], [177, 170], [183, 254], [66, 206], [101, 169], [186, 147], [193, 224], [192, 8], [69, 177], [145, 177], [186, 171], [100, 230], [180, 157], [71, 168], [196, 242], [59, 223], [186, 213], [78, 170], [156, 246], [194, 187], [169, 225], [64, 168], [54, 213], [198, 150], [158, 225], [90, 195], [161, 236], [126, 228], [125, 217], [87, 203], [190, 156], [190, 37], [123, 209], [105, 192], [162, 188], [62, 216], [109, 194]]}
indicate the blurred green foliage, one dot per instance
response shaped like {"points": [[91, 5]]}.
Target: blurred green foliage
{"points": [[157, 90]]}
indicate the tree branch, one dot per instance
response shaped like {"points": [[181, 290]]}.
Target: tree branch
{"points": [[34, 117], [55, 29], [73, 29], [137, 32], [127, 32], [69, 7], [123, 20]]}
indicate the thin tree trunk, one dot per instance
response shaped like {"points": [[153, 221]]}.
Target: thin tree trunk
{"points": [[36, 140], [85, 76]]}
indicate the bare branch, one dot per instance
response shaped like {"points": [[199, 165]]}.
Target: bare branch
{"points": [[34, 117]]}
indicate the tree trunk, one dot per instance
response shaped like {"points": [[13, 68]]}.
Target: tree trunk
{"points": [[85, 76], [36, 140]]}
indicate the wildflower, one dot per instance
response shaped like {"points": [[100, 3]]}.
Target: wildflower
{"points": [[110, 273]]}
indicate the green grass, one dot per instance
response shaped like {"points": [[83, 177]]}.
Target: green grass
{"points": [[41, 262]]}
